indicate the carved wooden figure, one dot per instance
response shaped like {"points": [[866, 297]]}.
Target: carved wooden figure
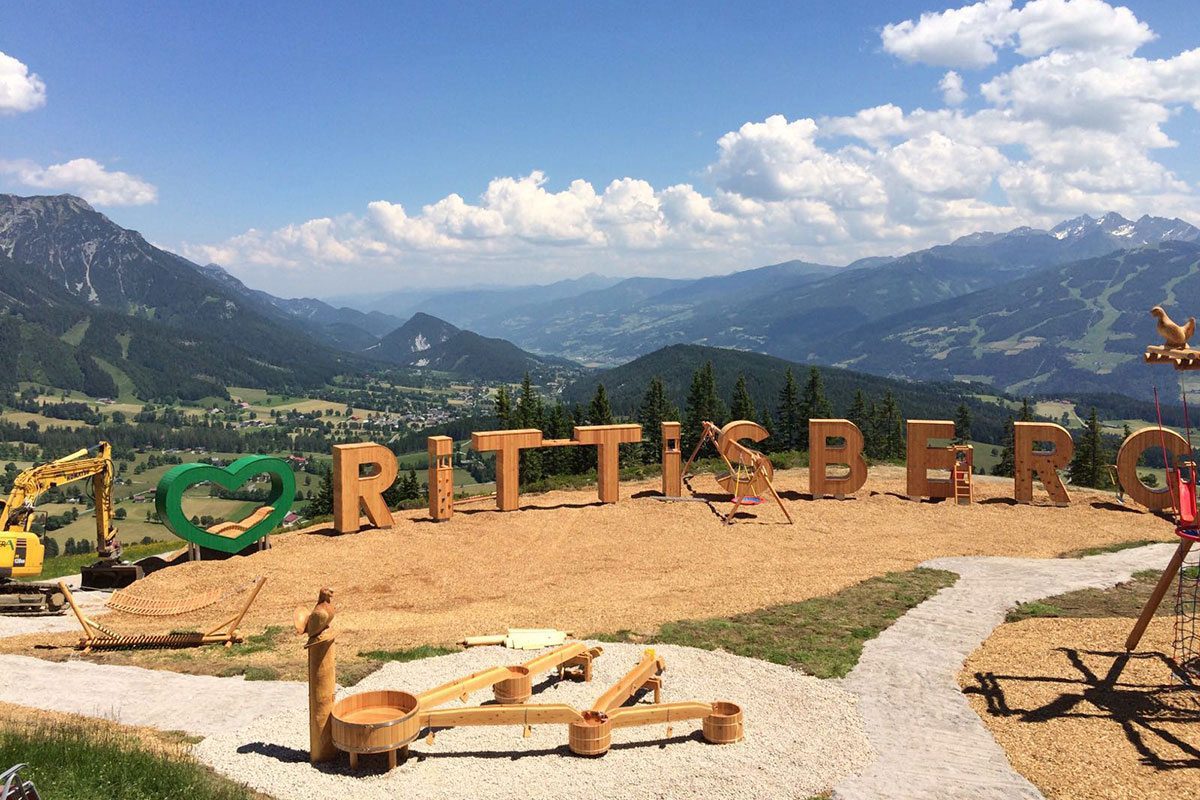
{"points": [[354, 493], [1158, 498], [608, 439], [322, 674], [1045, 463], [441, 477], [672, 456], [1174, 335], [821, 455], [922, 457]]}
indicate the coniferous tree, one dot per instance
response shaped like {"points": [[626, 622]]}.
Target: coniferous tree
{"points": [[322, 502], [703, 404], [740, 405], [789, 413], [962, 423], [559, 461], [860, 415], [530, 413], [889, 428], [813, 404], [1087, 466], [654, 410], [599, 410], [503, 407], [1005, 466]]}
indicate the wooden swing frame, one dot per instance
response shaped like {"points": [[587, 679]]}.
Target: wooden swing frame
{"points": [[710, 433], [98, 637]]}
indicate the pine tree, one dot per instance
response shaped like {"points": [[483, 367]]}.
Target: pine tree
{"points": [[740, 405], [789, 413], [654, 410], [530, 413], [558, 426], [322, 502], [1005, 467], [703, 404], [1087, 465], [962, 423], [813, 404], [503, 407], [890, 428], [599, 410], [860, 415], [1026, 411]]}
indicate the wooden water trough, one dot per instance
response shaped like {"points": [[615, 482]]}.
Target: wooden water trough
{"points": [[388, 721]]}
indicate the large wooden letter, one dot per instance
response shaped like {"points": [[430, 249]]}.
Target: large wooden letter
{"points": [[508, 445], [922, 458], [730, 446], [1045, 463], [672, 455], [608, 439], [441, 477], [821, 455], [1158, 499], [352, 492]]}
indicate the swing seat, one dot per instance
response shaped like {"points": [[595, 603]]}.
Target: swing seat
{"points": [[750, 500]]}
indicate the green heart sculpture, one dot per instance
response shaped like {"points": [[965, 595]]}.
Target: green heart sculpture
{"points": [[168, 498]]}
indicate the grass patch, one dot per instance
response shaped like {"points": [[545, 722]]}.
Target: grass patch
{"points": [[408, 654], [823, 636], [259, 642], [1123, 600], [70, 565], [83, 761], [252, 673], [1115, 547]]}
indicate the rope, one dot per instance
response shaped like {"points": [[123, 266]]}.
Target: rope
{"points": [[1162, 436]]}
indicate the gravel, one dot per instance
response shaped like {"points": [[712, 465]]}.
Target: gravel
{"points": [[802, 736]]}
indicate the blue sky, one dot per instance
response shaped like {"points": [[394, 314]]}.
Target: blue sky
{"points": [[268, 116]]}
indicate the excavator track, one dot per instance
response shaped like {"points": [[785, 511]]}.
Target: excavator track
{"points": [[31, 599]]}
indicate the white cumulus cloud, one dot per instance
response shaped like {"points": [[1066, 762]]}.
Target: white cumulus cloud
{"points": [[85, 177], [1072, 123], [20, 89]]}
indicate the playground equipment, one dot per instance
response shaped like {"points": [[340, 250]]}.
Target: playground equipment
{"points": [[520, 639], [99, 637], [834, 442], [750, 480], [13, 787], [388, 721], [672, 457], [1181, 486], [957, 460]]}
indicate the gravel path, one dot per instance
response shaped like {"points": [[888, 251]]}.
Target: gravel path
{"points": [[931, 744], [802, 735], [196, 704]]}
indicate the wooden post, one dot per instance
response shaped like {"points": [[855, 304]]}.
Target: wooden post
{"points": [[353, 493], [507, 446], [608, 439], [821, 454], [322, 682], [441, 477], [1160, 591], [672, 455], [1045, 463], [1156, 499], [921, 458]]}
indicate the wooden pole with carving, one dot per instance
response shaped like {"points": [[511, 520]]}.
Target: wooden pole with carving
{"points": [[322, 674]]}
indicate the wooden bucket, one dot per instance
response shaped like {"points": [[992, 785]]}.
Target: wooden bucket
{"points": [[516, 689], [724, 725], [375, 722], [592, 737]]}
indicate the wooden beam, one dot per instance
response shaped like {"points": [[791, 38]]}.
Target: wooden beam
{"points": [[1160, 591], [672, 453]]}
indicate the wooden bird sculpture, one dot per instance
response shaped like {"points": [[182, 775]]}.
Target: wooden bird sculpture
{"points": [[317, 621], [1174, 335]]}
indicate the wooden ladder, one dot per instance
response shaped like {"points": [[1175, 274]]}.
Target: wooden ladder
{"points": [[963, 464]]}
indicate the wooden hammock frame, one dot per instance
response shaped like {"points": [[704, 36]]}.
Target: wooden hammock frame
{"points": [[756, 469], [98, 637]]}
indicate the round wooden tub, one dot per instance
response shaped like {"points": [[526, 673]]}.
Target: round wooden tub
{"points": [[375, 722]]}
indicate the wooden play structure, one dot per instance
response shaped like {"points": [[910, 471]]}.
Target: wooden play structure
{"points": [[957, 460], [100, 637], [834, 443], [749, 472], [1180, 464], [672, 460], [1044, 463]]}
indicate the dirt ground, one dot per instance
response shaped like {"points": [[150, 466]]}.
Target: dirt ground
{"points": [[566, 561], [1042, 687]]}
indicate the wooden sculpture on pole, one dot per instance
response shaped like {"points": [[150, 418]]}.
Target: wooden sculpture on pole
{"points": [[322, 674]]}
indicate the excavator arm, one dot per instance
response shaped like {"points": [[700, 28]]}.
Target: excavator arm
{"points": [[93, 462]]}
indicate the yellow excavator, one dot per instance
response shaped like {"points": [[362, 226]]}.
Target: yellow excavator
{"points": [[21, 550]]}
